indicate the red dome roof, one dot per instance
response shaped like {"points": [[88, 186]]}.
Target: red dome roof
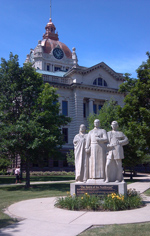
{"points": [[51, 40], [49, 45]]}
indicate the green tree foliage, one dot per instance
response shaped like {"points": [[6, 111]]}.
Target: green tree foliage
{"points": [[107, 114], [135, 115], [30, 124], [70, 157]]}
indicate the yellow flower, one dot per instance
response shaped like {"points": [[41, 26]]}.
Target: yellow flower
{"points": [[74, 194], [81, 197], [86, 193], [68, 192]]}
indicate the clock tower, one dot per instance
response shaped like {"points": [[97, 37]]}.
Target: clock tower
{"points": [[50, 54]]}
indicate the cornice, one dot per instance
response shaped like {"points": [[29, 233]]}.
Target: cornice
{"points": [[84, 71], [85, 87]]}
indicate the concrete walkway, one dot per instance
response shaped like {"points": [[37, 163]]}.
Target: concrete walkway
{"points": [[41, 218]]}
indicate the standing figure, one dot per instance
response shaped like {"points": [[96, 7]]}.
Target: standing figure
{"points": [[96, 145], [115, 154], [17, 174], [81, 161]]}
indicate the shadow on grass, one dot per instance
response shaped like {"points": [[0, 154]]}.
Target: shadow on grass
{"points": [[6, 222], [41, 187]]}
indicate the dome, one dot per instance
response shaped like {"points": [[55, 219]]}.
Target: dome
{"points": [[51, 40], [49, 44]]}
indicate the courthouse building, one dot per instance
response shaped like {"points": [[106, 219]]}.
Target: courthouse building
{"points": [[82, 90]]}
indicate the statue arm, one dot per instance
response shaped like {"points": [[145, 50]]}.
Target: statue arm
{"points": [[103, 139], [88, 143], [75, 140], [124, 141]]}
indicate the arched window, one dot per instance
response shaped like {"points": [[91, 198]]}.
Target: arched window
{"points": [[100, 82]]}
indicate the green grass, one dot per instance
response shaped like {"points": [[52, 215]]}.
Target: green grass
{"points": [[147, 192], [12, 179], [142, 229], [12, 194]]}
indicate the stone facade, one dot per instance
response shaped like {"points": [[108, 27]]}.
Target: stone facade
{"points": [[82, 90]]}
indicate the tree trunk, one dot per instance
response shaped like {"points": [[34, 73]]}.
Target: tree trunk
{"points": [[27, 173]]}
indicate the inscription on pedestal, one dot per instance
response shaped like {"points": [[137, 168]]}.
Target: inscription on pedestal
{"points": [[95, 189]]}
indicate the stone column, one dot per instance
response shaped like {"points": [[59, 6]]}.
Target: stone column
{"points": [[91, 105]]}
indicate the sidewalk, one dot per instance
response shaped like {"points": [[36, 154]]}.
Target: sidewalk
{"points": [[41, 218]]}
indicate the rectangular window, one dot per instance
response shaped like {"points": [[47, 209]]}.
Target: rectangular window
{"points": [[65, 134], [47, 67], [55, 164], [100, 106], [84, 110], [57, 68], [65, 108], [95, 108]]}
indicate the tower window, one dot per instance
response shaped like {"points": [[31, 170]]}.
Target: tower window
{"points": [[57, 68], [47, 67]]}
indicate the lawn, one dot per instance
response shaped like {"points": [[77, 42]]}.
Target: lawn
{"points": [[11, 179], [142, 229], [12, 194]]}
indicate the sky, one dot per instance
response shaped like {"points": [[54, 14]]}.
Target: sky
{"points": [[113, 31]]}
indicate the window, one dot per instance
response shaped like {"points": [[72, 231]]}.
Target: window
{"points": [[65, 108], [55, 164], [47, 67], [84, 110], [95, 82], [57, 68], [100, 106], [105, 84], [100, 82], [95, 108], [65, 134]]}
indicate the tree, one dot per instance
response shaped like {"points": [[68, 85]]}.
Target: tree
{"points": [[107, 114], [135, 115], [70, 157], [30, 123]]}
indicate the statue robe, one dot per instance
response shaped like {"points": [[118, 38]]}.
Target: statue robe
{"points": [[81, 160], [97, 158]]}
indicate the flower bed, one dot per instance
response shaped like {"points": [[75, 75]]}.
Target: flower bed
{"points": [[111, 202]]}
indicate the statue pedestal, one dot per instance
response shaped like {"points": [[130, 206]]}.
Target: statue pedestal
{"points": [[98, 187]]}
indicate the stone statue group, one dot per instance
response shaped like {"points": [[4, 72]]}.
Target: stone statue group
{"points": [[99, 154]]}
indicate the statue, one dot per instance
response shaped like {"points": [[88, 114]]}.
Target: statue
{"points": [[115, 154], [81, 160], [96, 146]]}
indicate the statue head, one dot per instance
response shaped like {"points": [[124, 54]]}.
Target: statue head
{"points": [[96, 123], [114, 125], [82, 128]]}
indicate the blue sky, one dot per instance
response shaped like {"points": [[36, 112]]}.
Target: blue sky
{"points": [[113, 31]]}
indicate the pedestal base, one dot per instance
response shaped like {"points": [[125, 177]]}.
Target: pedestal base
{"points": [[98, 187]]}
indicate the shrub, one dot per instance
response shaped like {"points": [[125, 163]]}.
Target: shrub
{"points": [[50, 173]]}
